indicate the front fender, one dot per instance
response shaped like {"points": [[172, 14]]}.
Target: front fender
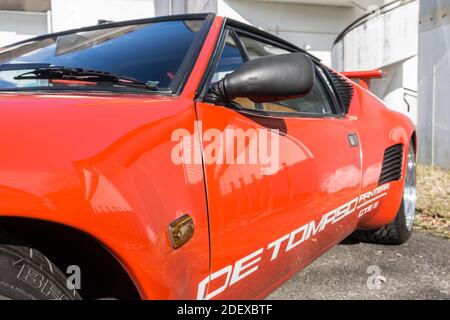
{"points": [[103, 166]]}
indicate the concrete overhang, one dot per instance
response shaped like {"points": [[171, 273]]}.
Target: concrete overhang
{"points": [[25, 5]]}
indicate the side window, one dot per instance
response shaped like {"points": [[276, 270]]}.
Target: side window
{"points": [[316, 102], [231, 59], [257, 49]]}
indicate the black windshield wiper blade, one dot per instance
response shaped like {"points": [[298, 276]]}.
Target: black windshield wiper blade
{"points": [[66, 73]]}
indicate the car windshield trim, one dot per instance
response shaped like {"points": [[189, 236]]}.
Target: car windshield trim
{"points": [[190, 58], [185, 69]]}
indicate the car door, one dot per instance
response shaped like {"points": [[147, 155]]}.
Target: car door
{"points": [[280, 179]]}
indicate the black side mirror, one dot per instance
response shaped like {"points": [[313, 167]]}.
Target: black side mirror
{"points": [[267, 79]]}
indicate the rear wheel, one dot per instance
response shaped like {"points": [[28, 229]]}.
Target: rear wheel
{"points": [[400, 230], [26, 274]]}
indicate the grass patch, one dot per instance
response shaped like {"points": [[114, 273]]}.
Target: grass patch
{"points": [[433, 203]]}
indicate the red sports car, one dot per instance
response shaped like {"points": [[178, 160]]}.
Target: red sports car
{"points": [[187, 157]]}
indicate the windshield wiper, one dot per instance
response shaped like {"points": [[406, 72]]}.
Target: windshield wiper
{"points": [[80, 74]]}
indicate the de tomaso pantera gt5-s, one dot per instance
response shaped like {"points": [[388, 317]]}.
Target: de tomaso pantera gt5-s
{"points": [[187, 157]]}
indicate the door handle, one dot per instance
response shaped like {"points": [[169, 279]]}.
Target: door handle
{"points": [[353, 140]]}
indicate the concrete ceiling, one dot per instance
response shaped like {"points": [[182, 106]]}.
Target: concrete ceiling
{"points": [[25, 5]]}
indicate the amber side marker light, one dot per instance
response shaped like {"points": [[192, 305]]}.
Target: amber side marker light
{"points": [[181, 231]]}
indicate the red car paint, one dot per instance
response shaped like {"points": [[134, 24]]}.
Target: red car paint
{"points": [[364, 77], [100, 163], [371, 74]]}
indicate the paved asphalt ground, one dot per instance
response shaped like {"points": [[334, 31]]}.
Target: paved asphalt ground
{"points": [[419, 269]]}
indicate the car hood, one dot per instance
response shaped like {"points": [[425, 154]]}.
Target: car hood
{"points": [[49, 142]]}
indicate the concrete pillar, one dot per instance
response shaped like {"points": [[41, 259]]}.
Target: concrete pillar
{"points": [[434, 80]]}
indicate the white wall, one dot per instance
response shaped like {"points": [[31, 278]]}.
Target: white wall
{"points": [[16, 26], [382, 41], [168, 7], [434, 83], [399, 88], [387, 41], [74, 14]]}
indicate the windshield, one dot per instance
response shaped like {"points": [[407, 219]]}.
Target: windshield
{"points": [[152, 52]]}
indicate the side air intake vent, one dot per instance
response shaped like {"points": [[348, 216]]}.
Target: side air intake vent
{"points": [[392, 164], [343, 87]]}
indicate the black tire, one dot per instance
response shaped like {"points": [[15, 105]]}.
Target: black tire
{"points": [[397, 232], [26, 274]]}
